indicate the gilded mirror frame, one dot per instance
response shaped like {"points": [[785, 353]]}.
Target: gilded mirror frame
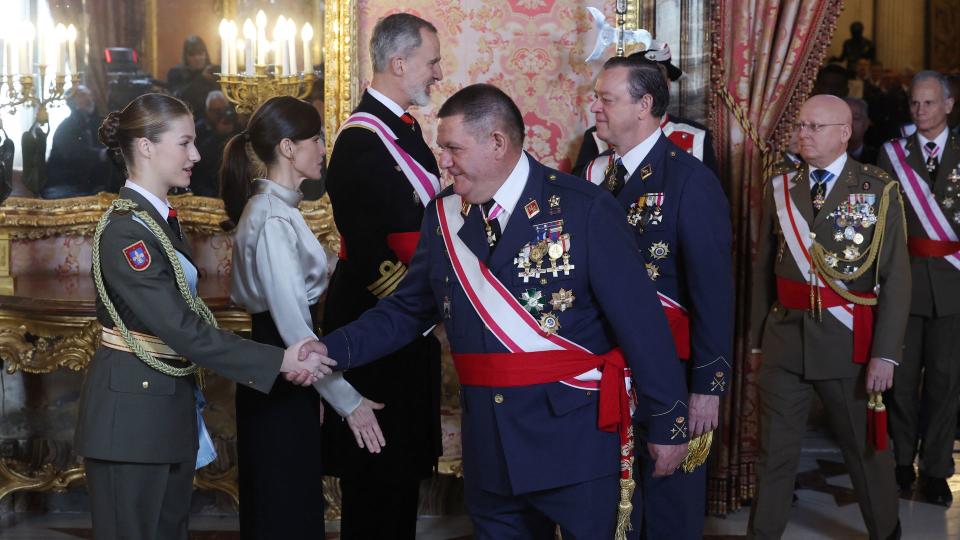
{"points": [[23, 218]]}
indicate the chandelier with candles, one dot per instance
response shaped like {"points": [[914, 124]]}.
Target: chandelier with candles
{"points": [[41, 84], [254, 68]]}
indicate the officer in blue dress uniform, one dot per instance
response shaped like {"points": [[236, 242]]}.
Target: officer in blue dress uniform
{"points": [[533, 454], [681, 220], [690, 136]]}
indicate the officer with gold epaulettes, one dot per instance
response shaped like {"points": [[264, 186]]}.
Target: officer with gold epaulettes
{"points": [[830, 297]]}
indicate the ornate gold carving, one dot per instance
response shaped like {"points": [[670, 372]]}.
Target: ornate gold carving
{"points": [[340, 82], [14, 477], [40, 354], [452, 466], [47, 478], [223, 481], [31, 219]]}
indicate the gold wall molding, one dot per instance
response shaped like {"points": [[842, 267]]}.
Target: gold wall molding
{"points": [[17, 476], [340, 68], [21, 350]]}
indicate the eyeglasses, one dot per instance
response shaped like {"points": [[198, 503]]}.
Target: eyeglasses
{"points": [[800, 127]]}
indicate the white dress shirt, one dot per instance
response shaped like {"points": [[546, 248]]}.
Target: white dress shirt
{"points": [[509, 193], [834, 168], [635, 156], [279, 266], [387, 102]]}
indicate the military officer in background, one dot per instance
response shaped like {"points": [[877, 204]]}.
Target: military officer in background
{"points": [[690, 136], [681, 220], [381, 176], [830, 287], [926, 164], [532, 273]]}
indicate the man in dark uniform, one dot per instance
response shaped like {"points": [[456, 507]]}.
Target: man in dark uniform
{"points": [[927, 385], [831, 283], [381, 176], [532, 273], [681, 219], [690, 136]]}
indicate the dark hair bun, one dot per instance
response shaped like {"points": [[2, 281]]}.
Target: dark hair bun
{"points": [[109, 130]]}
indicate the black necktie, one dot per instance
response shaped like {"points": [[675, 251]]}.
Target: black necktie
{"points": [[491, 223], [932, 162], [818, 193], [174, 223], [616, 177]]}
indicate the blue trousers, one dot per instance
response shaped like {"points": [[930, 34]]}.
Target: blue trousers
{"points": [[674, 506], [583, 511]]}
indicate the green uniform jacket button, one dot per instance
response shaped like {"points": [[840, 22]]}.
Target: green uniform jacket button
{"points": [[498, 398], [146, 384]]}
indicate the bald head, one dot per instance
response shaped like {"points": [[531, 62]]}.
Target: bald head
{"points": [[824, 127]]}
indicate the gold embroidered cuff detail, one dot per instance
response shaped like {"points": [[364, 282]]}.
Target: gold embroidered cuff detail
{"points": [[390, 275]]}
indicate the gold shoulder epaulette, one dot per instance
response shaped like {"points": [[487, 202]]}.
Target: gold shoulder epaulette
{"points": [[875, 172], [782, 167]]}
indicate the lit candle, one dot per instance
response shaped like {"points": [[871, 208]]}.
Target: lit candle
{"points": [[72, 38], [224, 48], [307, 35], [240, 56], [232, 48], [61, 48], [280, 51], [250, 39], [12, 46], [261, 38], [291, 35], [29, 34]]}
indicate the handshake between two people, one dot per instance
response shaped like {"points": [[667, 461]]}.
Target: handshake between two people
{"points": [[305, 363]]}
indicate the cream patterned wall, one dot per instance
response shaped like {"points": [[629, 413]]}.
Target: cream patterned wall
{"points": [[532, 49]]}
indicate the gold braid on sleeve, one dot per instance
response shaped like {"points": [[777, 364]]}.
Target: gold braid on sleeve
{"points": [[195, 302]]}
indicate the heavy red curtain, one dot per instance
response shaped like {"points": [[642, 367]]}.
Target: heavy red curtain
{"points": [[765, 57]]}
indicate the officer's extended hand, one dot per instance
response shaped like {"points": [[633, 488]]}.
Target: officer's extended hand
{"points": [[879, 375], [363, 423], [305, 362], [704, 414], [668, 457]]}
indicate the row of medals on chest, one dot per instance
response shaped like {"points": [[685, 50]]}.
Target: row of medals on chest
{"points": [[952, 194], [850, 222], [548, 255]]}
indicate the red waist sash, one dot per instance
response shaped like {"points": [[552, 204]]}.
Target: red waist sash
{"points": [[925, 247], [402, 244], [796, 295], [523, 369], [679, 323]]}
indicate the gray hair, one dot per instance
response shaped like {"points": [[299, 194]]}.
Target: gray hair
{"points": [[851, 101], [932, 76], [214, 94], [396, 35]]}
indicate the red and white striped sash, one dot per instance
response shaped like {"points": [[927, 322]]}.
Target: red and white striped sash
{"points": [[501, 313], [425, 183], [796, 233], [924, 204]]}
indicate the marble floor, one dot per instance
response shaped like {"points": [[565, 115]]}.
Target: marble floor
{"points": [[825, 509]]}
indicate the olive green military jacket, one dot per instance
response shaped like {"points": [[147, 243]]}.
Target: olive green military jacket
{"points": [[792, 338], [128, 411], [936, 283]]}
